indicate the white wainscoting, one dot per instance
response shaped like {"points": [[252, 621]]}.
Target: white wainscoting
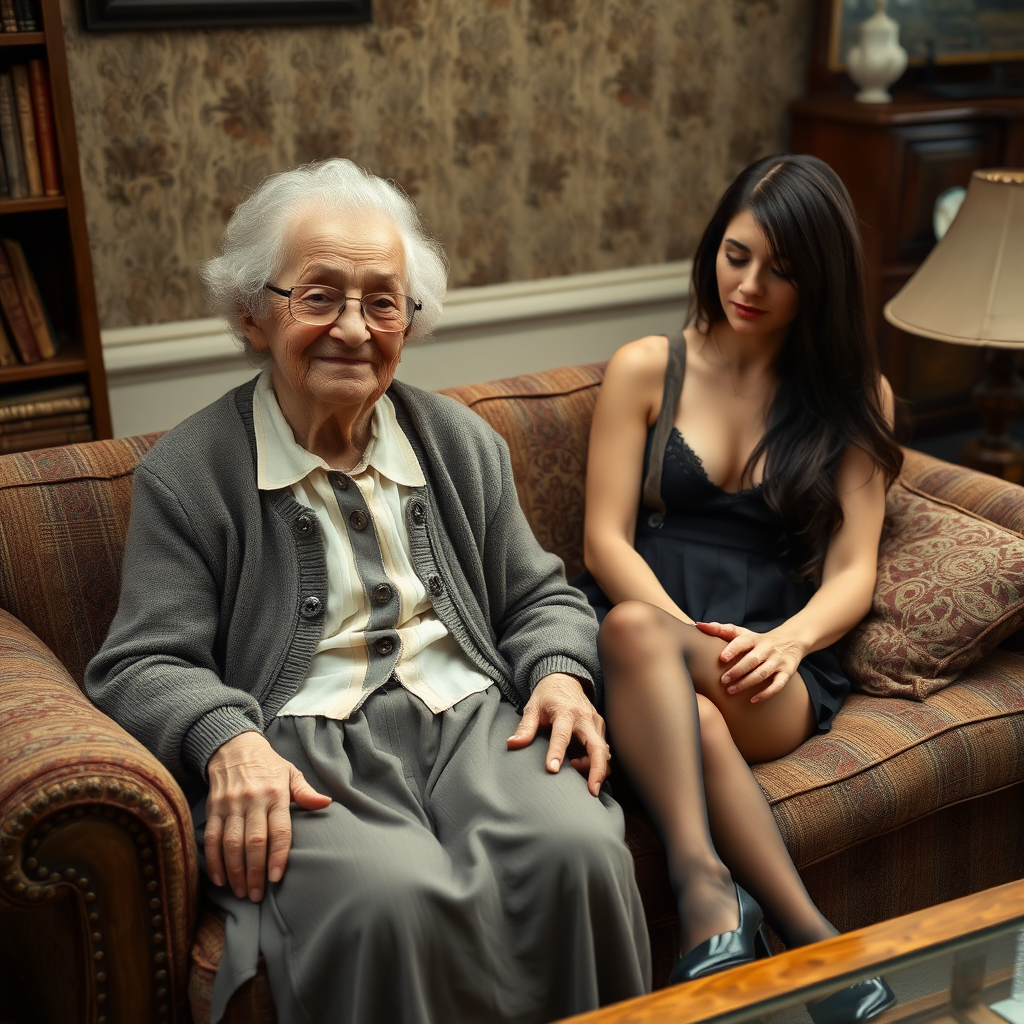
{"points": [[161, 373]]}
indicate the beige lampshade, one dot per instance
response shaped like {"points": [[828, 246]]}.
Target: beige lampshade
{"points": [[970, 289]]}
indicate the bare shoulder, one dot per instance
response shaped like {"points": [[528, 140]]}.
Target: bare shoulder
{"points": [[640, 363], [888, 401]]}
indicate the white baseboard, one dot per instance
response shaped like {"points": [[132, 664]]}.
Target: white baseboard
{"points": [[161, 373]]}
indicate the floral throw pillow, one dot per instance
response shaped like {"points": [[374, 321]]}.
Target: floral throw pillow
{"points": [[950, 589]]}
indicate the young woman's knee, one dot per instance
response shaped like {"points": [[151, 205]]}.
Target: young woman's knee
{"points": [[632, 632]]}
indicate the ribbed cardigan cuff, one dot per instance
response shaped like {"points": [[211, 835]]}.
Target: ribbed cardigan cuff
{"points": [[560, 663], [213, 730]]}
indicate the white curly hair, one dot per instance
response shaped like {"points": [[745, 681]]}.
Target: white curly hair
{"points": [[252, 247]]}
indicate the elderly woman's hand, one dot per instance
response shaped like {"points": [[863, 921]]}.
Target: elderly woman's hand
{"points": [[559, 701], [248, 821]]}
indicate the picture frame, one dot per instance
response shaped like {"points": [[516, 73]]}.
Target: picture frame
{"points": [[992, 31], [108, 15]]}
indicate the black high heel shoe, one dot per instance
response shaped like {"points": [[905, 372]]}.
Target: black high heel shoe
{"points": [[853, 1005], [727, 949]]}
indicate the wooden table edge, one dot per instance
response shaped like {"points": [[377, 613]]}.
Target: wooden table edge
{"points": [[777, 978]]}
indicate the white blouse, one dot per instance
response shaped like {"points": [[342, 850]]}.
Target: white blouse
{"points": [[431, 665]]}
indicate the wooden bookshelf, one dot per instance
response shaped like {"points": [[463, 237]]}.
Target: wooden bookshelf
{"points": [[22, 38], [52, 230], [30, 203]]}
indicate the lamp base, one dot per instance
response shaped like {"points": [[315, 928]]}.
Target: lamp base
{"points": [[999, 397], [1007, 463]]}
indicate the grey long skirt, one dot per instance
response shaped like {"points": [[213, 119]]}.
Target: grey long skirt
{"points": [[451, 880]]}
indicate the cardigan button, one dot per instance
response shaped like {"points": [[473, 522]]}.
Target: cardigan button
{"points": [[381, 594], [655, 520], [419, 515], [435, 586], [384, 646], [304, 524], [342, 481], [311, 607], [359, 520]]}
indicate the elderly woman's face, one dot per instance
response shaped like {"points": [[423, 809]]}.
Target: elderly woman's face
{"points": [[346, 363]]}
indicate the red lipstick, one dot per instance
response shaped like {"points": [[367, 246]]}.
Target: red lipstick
{"points": [[748, 312]]}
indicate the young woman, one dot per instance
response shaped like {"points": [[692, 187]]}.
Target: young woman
{"points": [[735, 496]]}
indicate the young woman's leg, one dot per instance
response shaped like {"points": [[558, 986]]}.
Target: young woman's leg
{"points": [[678, 748], [655, 726], [748, 839]]}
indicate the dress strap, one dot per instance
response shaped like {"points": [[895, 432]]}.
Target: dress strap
{"points": [[674, 373]]}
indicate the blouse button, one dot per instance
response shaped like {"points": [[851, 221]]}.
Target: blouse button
{"points": [[655, 520], [304, 524], [359, 519], [311, 607], [434, 585], [381, 594], [419, 516], [384, 646]]}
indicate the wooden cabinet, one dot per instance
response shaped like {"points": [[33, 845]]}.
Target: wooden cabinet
{"points": [[52, 231], [896, 159]]}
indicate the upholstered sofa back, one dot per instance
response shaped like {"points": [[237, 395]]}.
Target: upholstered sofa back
{"points": [[64, 511], [545, 417], [63, 521]]}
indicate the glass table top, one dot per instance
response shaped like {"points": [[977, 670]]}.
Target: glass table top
{"points": [[957, 963]]}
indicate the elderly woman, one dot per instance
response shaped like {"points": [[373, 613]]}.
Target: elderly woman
{"points": [[338, 632]]}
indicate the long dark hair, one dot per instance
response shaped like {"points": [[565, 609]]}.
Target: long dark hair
{"points": [[828, 394]]}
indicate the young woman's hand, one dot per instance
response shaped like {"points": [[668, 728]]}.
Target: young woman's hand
{"points": [[756, 658]]}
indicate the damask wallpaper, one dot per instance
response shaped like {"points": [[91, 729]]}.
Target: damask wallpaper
{"points": [[539, 137]]}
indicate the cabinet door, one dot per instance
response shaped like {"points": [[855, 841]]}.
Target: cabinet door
{"points": [[935, 158], [934, 376]]}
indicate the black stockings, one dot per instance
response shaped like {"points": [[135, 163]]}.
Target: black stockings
{"points": [[680, 754]]}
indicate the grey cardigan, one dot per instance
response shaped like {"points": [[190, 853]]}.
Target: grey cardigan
{"points": [[224, 585]]}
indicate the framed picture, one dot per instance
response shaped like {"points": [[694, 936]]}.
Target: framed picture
{"points": [[978, 32], [105, 15]]}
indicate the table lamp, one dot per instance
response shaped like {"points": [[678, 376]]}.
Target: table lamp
{"points": [[970, 291]]}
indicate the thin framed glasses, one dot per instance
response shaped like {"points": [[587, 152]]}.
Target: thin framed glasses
{"points": [[320, 305]]}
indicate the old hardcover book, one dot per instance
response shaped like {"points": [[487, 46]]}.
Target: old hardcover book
{"points": [[4, 189], [67, 419], [44, 394], [25, 12], [15, 315], [44, 438], [76, 390], [7, 356], [30, 298], [27, 124], [8, 16], [55, 406], [46, 139], [10, 140]]}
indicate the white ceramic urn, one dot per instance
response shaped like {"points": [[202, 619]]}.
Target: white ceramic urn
{"points": [[879, 59]]}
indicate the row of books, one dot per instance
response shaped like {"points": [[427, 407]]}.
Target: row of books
{"points": [[26, 334], [45, 419], [19, 16], [27, 139]]}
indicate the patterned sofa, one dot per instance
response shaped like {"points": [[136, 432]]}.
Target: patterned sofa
{"points": [[905, 804]]}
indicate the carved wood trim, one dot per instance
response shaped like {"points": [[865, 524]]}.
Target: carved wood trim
{"points": [[103, 842]]}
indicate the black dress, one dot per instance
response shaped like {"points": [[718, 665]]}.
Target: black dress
{"points": [[716, 552]]}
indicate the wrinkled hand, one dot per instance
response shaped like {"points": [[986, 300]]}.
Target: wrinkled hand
{"points": [[559, 701], [770, 658], [248, 822]]}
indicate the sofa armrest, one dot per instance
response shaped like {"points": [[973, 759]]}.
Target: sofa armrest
{"points": [[93, 831], [996, 500]]}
